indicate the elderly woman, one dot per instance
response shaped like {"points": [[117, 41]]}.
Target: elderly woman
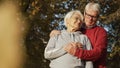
{"points": [[54, 50]]}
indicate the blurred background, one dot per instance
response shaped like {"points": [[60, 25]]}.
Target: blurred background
{"points": [[35, 20]]}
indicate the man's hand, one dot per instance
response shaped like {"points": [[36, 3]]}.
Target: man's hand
{"points": [[72, 47], [54, 32], [77, 44]]}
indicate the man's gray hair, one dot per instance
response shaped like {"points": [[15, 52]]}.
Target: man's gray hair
{"points": [[93, 6], [70, 14]]}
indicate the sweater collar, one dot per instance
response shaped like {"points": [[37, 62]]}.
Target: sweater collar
{"points": [[66, 32], [84, 26]]}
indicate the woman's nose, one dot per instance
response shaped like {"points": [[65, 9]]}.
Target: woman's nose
{"points": [[79, 21]]}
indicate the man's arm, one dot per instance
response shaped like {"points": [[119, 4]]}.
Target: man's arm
{"points": [[54, 32], [98, 50]]}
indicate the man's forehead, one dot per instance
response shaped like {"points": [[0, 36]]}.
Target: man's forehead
{"points": [[92, 12]]}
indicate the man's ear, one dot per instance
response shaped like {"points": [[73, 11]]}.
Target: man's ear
{"points": [[84, 16]]}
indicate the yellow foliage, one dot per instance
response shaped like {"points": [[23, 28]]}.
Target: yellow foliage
{"points": [[11, 51], [103, 17], [33, 4]]}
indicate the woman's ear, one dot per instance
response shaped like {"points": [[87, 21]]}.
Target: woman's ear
{"points": [[67, 22]]}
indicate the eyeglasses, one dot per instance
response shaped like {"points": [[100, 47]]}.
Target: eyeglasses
{"points": [[91, 16]]}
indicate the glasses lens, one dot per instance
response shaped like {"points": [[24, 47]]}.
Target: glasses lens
{"points": [[95, 17]]}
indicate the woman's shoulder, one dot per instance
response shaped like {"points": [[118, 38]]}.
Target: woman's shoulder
{"points": [[83, 35]]}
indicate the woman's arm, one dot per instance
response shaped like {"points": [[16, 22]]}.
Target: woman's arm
{"points": [[88, 64], [51, 51]]}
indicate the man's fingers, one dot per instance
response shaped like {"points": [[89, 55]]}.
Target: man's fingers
{"points": [[54, 32], [79, 45]]}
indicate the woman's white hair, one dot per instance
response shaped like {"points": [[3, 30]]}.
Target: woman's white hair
{"points": [[93, 6], [70, 14]]}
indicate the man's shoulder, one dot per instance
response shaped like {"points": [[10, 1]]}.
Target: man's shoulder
{"points": [[100, 28]]}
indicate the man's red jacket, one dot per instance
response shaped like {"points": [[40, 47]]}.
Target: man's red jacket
{"points": [[98, 38]]}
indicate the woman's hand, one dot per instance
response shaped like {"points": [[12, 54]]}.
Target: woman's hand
{"points": [[72, 47], [78, 44]]}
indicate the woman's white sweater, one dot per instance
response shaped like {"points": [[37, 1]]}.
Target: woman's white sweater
{"points": [[59, 58]]}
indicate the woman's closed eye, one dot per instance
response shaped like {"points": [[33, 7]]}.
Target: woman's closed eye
{"points": [[77, 18]]}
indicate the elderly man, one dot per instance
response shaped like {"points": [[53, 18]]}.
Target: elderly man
{"points": [[97, 36]]}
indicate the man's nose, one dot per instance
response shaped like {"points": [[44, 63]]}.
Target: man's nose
{"points": [[91, 18]]}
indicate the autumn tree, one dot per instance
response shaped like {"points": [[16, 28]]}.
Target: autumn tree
{"points": [[42, 16], [46, 15]]}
